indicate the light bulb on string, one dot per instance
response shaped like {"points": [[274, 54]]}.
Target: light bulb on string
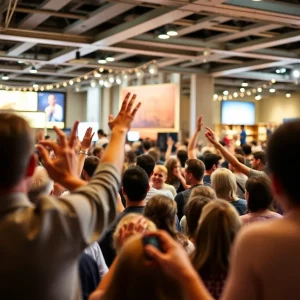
{"points": [[259, 89], [118, 80], [71, 82], [140, 73], [111, 78], [153, 69], [93, 83], [78, 80]]}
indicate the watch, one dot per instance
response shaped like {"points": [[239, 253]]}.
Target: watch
{"points": [[83, 152]]}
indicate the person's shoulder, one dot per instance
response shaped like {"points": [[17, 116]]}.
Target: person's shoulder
{"points": [[253, 173]]}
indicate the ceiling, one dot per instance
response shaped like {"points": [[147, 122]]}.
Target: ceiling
{"points": [[232, 40]]}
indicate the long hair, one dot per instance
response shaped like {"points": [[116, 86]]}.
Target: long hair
{"points": [[218, 226], [170, 165], [134, 279], [162, 211], [224, 183]]}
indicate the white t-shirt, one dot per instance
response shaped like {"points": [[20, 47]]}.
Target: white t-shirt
{"points": [[152, 192], [102, 141], [56, 115]]}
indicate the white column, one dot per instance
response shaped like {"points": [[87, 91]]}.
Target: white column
{"points": [[106, 96], [93, 105], [202, 91], [115, 99]]}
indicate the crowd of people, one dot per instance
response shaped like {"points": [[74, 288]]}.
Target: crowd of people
{"points": [[118, 220]]}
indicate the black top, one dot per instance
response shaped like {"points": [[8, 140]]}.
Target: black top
{"points": [[182, 199], [207, 180], [106, 242], [89, 275]]}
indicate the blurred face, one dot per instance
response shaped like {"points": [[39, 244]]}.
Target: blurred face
{"points": [[254, 163], [176, 169], [188, 177], [51, 100], [158, 179]]}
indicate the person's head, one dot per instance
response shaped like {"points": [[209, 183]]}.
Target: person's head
{"points": [[240, 158], [239, 151], [242, 127], [194, 171], [247, 149], [159, 176], [147, 163], [224, 184], [258, 193], [192, 211], [17, 158], [182, 156], [203, 191], [100, 133], [155, 153], [146, 145], [259, 160], [130, 218], [162, 211], [130, 157], [134, 278], [51, 100], [89, 167], [173, 167], [212, 162], [98, 152], [135, 184], [41, 184], [218, 226]]}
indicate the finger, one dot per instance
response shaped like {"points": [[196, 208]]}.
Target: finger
{"points": [[73, 134], [130, 104], [61, 136], [92, 136], [125, 101], [154, 253], [136, 109], [207, 128], [52, 145], [131, 226], [164, 238], [110, 118], [44, 155]]}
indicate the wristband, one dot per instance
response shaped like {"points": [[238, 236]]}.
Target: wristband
{"points": [[83, 152]]}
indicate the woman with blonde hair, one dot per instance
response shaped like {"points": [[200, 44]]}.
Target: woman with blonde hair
{"points": [[159, 178], [224, 183], [133, 278], [162, 211], [218, 226]]}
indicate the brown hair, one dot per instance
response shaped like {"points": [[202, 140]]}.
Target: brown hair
{"points": [[17, 146], [196, 167], [218, 226], [162, 211], [203, 191], [170, 165], [134, 279]]}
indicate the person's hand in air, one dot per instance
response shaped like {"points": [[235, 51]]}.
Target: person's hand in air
{"points": [[211, 136], [199, 124], [87, 140], [126, 115]]}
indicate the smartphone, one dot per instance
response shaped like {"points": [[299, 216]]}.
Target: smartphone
{"points": [[153, 241]]}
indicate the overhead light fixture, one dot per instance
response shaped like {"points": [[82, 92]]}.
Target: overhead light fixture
{"points": [[96, 74], [93, 83], [258, 97], [5, 77], [242, 90], [273, 81], [235, 94], [272, 90], [153, 69], [245, 84], [259, 90], [102, 61], [110, 58], [224, 98], [288, 95], [111, 78], [35, 85], [215, 96], [20, 62], [172, 32], [278, 71], [118, 80], [225, 93], [33, 70], [163, 36], [296, 73]]}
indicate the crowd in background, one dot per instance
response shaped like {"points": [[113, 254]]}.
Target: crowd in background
{"points": [[119, 220]]}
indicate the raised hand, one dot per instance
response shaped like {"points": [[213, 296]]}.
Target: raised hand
{"points": [[170, 142], [199, 124], [86, 143], [211, 136], [126, 115], [63, 166]]}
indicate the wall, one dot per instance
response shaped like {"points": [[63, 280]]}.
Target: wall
{"points": [[278, 107], [76, 107]]}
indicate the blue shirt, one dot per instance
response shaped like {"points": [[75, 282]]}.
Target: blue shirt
{"points": [[240, 205], [243, 137]]}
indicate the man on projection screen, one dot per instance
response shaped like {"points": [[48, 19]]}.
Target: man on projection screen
{"points": [[54, 112]]}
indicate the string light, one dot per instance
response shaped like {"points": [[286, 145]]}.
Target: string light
{"points": [[150, 68]]}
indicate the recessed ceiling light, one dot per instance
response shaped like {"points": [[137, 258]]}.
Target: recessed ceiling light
{"points": [[5, 77], [272, 90], [110, 58], [172, 33], [102, 61], [245, 84], [288, 95], [242, 90], [33, 70], [296, 74], [259, 90], [225, 93], [258, 97], [163, 36]]}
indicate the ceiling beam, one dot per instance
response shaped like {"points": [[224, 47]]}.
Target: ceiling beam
{"points": [[247, 31], [262, 76]]}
